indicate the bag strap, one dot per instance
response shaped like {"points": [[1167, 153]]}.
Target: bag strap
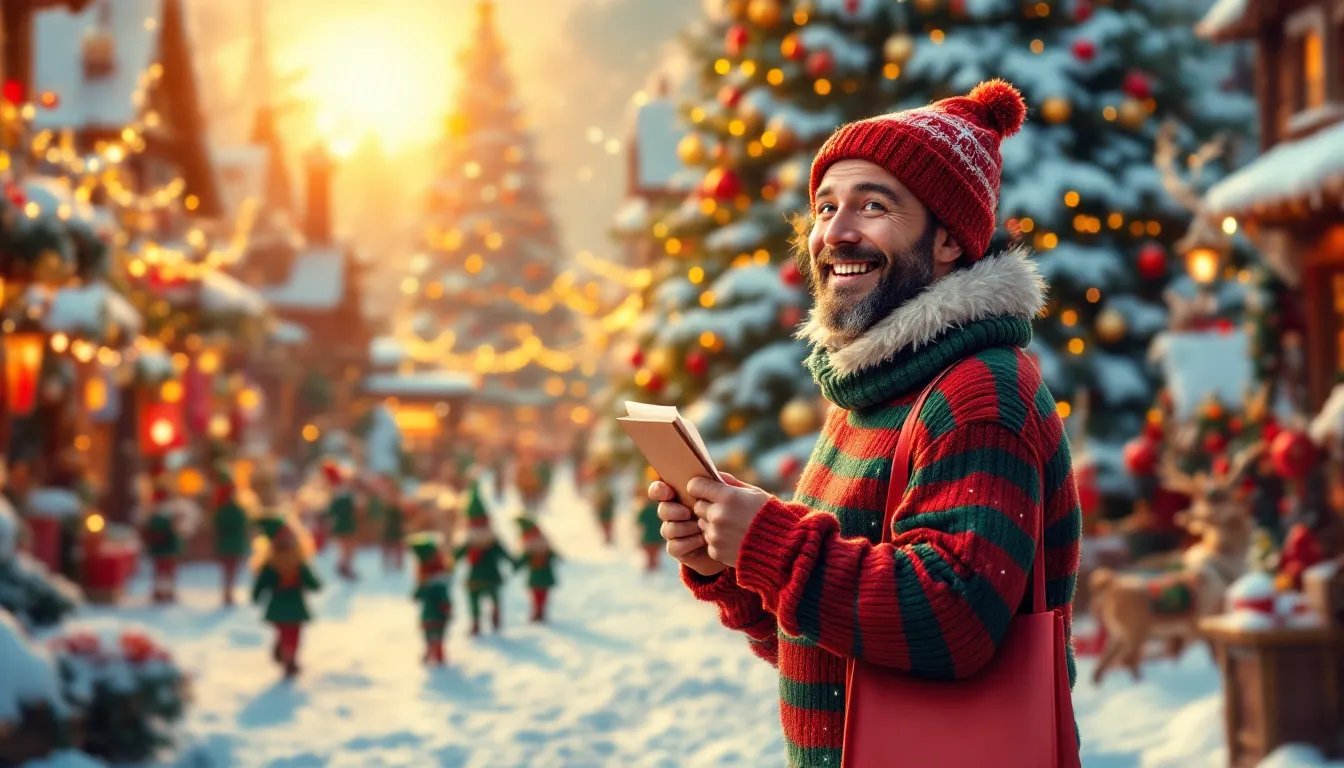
{"points": [[900, 481]]}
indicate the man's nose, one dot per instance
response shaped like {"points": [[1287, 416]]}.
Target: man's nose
{"points": [[842, 229]]}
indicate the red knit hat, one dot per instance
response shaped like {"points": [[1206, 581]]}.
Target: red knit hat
{"points": [[947, 154]]}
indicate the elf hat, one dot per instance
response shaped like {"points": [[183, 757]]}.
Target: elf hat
{"points": [[160, 493], [271, 526], [527, 526], [425, 545], [477, 516], [332, 472], [946, 154]]}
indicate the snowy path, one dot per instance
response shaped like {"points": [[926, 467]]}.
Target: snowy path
{"points": [[631, 672]]}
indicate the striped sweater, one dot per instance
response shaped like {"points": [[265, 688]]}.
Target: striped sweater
{"points": [[812, 585]]}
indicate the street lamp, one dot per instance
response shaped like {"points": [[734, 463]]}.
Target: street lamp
{"points": [[1204, 249], [23, 365]]}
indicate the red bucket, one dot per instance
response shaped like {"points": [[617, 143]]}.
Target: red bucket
{"points": [[46, 541]]}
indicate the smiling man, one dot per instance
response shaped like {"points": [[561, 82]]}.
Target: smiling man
{"points": [[903, 209]]}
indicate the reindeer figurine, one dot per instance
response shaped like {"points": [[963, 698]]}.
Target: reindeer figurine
{"points": [[1133, 608]]}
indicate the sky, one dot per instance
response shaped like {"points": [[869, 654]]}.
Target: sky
{"points": [[388, 67]]}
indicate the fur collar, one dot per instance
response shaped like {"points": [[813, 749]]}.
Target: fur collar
{"points": [[1006, 283]]}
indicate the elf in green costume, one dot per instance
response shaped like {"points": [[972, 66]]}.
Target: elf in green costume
{"points": [[341, 518], [394, 524], [533, 479], [650, 526], [163, 543], [482, 551], [231, 539], [282, 577], [604, 505], [434, 580], [539, 559]]}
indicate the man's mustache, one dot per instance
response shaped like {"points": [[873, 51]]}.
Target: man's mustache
{"points": [[849, 253]]}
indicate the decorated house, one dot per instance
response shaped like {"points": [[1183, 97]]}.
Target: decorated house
{"points": [[655, 176]]}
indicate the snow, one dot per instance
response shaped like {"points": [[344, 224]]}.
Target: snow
{"points": [[755, 282], [1252, 586], [1083, 266], [1329, 421], [386, 352], [847, 55], [419, 383], [52, 194], [853, 10], [316, 282], [633, 217], [289, 333], [53, 502], [106, 101], [738, 237], [1120, 379], [382, 444], [88, 309], [631, 671], [658, 130], [223, 294], [9, 530], [1224, 16], [1289, 170], [154, 364], [31, 677], [241, 172], [1323, 571], [1198, 364]]}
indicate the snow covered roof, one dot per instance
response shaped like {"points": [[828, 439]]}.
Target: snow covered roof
{"points": [[286, 332], [386, 352], [105, 101], [89, 309], [419, 384], [317, 281], [658, 130], [1226, 20], [225, 294], [1288, 171], [242, 172], [1199, 364], [53, 502]]}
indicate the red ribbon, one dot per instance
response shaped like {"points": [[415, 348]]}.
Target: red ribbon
{"points": [[1258, 604]]}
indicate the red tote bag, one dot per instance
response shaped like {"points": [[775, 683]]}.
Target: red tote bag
{"points": [[1015, 713]]}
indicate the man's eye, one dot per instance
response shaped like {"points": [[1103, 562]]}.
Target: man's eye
{"points": [[873, 205], [826, 208]]}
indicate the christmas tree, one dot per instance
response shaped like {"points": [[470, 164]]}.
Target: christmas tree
{"points": [[775, 78], [489, 297], [1079, 183]]}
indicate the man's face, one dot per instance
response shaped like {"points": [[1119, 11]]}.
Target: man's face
{"points": [[873, 247]]}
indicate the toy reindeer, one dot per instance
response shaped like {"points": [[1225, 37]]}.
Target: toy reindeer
{"points": [[1133, 608]]}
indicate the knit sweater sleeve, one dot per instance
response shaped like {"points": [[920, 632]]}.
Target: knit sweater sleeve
{"points": [[937, 600], [739, 609]]}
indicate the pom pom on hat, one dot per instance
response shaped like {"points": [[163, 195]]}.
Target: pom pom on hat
{"points": [[1004, 107]]}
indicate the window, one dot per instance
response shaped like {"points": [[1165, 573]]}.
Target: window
{"points": [[1306, 78]]}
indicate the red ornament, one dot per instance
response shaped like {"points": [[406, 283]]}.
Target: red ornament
{"points": [[636, 358], [1235, 425], [15, 194], [729, 96], [721, 184], [736, 40], [1152, 261], [793, 48], [1221, 466], [1082, 11], [851, 6], [1292, 454], [790, 317], [1084, 49], [655, 383], [1215, 442], [1154, 432], [789, 274], [1301, 550], [1270, 430], [788, 467], [697, 363], [820, 64], [12, 92], [1137, 85], [1141, 457], [1224, 325]]}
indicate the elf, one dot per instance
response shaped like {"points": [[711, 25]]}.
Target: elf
{"points": [[163, 543], [604, 505], [231, 543], [434, 574], [533, 479], [483, 553], [341, 516], [394, 524], [650, 527], [283, 575], [540, 560]]}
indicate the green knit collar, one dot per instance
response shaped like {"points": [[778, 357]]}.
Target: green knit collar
{"points": [[910, 369]]}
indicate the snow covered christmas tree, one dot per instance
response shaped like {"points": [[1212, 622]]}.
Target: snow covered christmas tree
{"points": [[775, 79], [1079, 183], [484, 298]]}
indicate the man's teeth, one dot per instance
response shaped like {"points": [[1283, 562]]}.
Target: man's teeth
{"points": [[852, 269]]}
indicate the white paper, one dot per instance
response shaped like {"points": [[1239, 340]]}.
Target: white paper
{"points": [[646, 412]]}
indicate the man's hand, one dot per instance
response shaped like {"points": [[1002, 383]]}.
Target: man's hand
{"points": [[725, 511], [685, 541]]}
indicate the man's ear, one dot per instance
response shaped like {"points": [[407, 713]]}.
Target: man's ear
{"points": [[946, 250]]}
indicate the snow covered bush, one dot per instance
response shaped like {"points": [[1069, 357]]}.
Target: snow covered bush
{"points": [[33, 711], [28, 590], [126, 689]]}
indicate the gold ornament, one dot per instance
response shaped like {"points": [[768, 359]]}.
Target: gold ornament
{"points": [[1132, 113], [785, 138], [735, 9], [764, 13], [735, 424], [899, 48], [798, 418], [737, 460], [1110, 325], [691, 150], [660, 362], [1056, 110]]}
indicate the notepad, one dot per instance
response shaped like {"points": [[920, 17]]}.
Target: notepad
{"points": [[671, 444]]}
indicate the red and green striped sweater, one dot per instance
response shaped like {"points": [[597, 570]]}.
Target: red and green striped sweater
{"points": [[812, 585]]}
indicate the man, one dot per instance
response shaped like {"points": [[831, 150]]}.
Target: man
{"points": [[903, 208]]}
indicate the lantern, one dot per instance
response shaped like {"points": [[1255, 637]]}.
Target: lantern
{"points": [[161, 428], [23, 365], [1203, 247]]}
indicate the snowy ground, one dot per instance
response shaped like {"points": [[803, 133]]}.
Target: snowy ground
{"points": [[631, 672]]}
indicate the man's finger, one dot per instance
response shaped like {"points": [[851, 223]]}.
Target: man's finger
{"points": [[671, 530], [733, 481], [710, 490], [672, 512], [679, 548], [702, 509], [660, 491]]}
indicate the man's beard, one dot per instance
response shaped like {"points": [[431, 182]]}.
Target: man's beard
{"points": [[906, 275]]}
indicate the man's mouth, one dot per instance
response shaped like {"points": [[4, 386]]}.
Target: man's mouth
{"points": [[848, 270]]}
